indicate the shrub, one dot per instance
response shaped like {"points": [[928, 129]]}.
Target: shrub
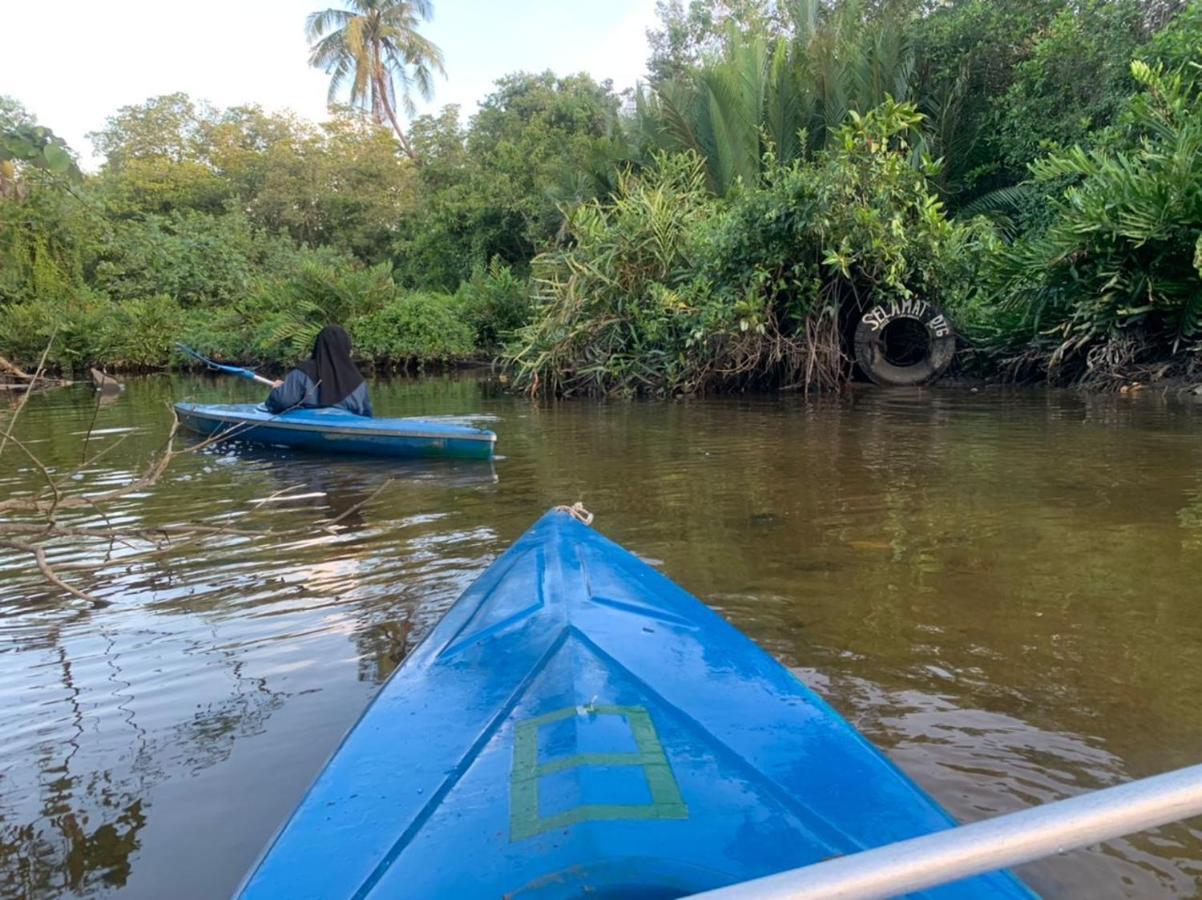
{"points": [[74, 324], [497, 304], [1073, 83], [414, 327], [824, 241], [1111, 284], [668, 290], [196, 258], [221, 333], [279, 320], [611, 313], [290, 312], [140, 333]]}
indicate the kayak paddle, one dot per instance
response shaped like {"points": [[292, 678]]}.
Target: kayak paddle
{"points": [[229, 370]]}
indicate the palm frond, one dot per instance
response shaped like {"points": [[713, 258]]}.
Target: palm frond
{"points": [[373, 49], [324, 22], [1003, 201]]}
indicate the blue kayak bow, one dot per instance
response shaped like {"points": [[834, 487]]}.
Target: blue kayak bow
{"points": [[229, 370]]}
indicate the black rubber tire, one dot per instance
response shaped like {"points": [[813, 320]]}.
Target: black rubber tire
{"points": [[871, 346]]}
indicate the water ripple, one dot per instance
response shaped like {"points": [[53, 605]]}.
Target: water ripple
{"points": [[998, 588]]}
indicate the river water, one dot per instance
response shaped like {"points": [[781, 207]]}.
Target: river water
{"points": [[999, 588]]}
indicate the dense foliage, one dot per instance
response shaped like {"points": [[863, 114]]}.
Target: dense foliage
{"points": [[778, 92], [666, 288], [498, 188], [1031, 166], [1113, 284]]}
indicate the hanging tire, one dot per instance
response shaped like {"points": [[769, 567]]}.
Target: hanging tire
{"points": [[904, 343]]}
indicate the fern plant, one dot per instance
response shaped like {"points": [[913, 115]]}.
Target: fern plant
{"points": [[316, 296], [765, 101], [1113, 282]]}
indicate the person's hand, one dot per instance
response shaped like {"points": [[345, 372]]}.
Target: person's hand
{"points": [[277, 383]]}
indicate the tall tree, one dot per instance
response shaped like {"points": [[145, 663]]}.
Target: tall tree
{"points": [[374, 46], [779, 87]]}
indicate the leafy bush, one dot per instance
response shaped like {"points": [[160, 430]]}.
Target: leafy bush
{"points": [[668, 290], [73, 323], [278, 322], [610, 315], [196, 258], [287, 314], [498, 188], [497, 304], [1073, 83], [44, 241], [88, 329], [222, 333], [1112, 285], [280, 316], [826, 240], [1175, 46], [140, 333], [414, 327]]}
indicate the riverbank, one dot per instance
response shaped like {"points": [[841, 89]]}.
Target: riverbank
{"points": [[706, 238], [1148, 382]]}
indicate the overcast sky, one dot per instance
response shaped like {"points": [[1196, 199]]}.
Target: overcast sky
{"points": [[74, 62]]}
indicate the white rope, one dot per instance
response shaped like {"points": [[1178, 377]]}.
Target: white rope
{"points": [[577, 512]]}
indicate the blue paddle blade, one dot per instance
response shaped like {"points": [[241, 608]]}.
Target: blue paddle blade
{"points": [[230, 370]]}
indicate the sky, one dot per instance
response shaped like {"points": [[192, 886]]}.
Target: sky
{"points": [[80, 60]]}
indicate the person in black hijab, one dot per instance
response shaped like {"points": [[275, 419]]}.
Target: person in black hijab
{"points": [[327, 378]]}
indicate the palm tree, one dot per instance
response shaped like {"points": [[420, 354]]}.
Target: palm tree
{"points": [[783, 95], [374, 46]]}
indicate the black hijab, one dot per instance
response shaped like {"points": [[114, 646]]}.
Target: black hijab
{"points": [[331, 367]]}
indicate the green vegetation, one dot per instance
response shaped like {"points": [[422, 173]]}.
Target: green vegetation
{"points": [[781, 94], [666, 288], [1112, 283], [786, 166], [371, 49]]}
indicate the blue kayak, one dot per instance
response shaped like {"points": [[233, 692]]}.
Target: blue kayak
{"points": [[579, 726], [332, 430]]}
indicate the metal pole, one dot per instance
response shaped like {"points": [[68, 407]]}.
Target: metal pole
{"points": [[998, 843]]}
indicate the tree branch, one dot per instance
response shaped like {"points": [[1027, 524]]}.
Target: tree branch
{"points": [[144, 543], [14, 370], [12, 423], [47, 570]]}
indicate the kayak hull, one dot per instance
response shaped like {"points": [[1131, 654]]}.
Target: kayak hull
{"points": [[579, 726], [338, 431]]}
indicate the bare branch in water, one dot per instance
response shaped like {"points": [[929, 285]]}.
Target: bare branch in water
{"points": [[144, 545], [47, 570], [25, 397], [156, 541], [87, 438], [39, 506], [11, 368], [25, 382], [350, 511], [41, 468]]}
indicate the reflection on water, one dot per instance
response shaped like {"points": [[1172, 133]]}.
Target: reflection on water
{"points": [[999, 589]]}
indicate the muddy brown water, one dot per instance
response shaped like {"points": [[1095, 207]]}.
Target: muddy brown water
{"points": [[1001, 589]]}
